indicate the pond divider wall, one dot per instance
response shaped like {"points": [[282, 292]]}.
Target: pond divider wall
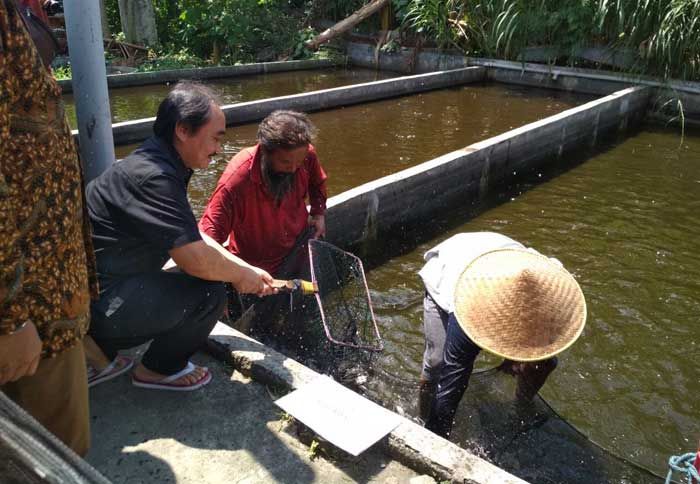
{"points": [[388, 205], [588, 81], [251, 111], [409, 443], [201, 73], [363, 215]]}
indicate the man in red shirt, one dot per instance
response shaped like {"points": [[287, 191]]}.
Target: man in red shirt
{"points": [[259, 204]]}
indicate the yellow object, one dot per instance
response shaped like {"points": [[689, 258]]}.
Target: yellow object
{"points": [[308, 287]]}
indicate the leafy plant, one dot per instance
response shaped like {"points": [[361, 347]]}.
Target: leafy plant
{"points": [[62, 72], [664, 35], [285, 420], [299, 50], [178, 60], [432, 19], [314, 450], [392, 46]]}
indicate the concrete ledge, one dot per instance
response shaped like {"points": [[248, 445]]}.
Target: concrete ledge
{"points": [[588, 81], [173, 75], [251, 111], [362, 215], [406, 60], [534, 75], [409, 443]]}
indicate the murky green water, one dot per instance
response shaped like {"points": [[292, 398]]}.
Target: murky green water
{"points": [[361, 143], [624, 223], [130, 103]]}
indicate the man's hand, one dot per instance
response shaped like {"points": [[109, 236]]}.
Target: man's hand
{"points": [[20, 353], [254, 280], [319, 223]]}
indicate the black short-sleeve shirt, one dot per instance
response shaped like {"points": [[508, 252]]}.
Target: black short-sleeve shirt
{"points": [[139, 211]]}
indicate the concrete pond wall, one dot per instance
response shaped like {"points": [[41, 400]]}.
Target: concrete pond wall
{"points": [[599, 82], [202, 73], [389, 205], [251, 111], [409, 443]]}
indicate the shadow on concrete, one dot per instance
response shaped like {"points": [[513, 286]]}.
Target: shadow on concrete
{"points": [[275, 369], [210, 435]]}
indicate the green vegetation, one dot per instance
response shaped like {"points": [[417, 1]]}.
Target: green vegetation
{"points": [[314, 450], [657, 37], [193, 33], [62, 72], [660, 37], [175, 60]]}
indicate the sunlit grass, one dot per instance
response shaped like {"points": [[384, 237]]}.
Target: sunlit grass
{"points": [[662, 35]]}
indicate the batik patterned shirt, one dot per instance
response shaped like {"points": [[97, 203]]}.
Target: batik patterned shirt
{"points": [[47, 273]]}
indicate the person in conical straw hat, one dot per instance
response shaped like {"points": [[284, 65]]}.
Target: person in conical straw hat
{"points": [[484, 290]]}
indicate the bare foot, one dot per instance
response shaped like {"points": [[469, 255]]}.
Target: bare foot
{"points": [[144, 374]]}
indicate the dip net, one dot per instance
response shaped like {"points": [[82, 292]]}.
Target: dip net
{"points": [[344, 304]]}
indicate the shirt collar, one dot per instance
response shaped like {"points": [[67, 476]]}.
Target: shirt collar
{"points": [[172, 157]]}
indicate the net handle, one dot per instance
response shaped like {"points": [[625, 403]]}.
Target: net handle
{"points": [[307, 288]]}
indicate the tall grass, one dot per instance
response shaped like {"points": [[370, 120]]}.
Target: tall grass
{"points": [[432, 19], [664, 35]]}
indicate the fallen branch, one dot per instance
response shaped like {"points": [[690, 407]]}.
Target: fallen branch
{"points": [[348, 23]]}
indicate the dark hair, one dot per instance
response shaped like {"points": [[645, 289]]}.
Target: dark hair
{"points": [[188, 103], [285, 130]]}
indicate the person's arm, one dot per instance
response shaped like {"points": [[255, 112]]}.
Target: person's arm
{"points": [[217, 220], [208, 260], [317, 194], [20, 346]]}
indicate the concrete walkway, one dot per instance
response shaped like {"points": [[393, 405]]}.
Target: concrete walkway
{"points": [[229, 431]]}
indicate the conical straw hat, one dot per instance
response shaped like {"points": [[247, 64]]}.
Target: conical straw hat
{"points": [[520, 305]]}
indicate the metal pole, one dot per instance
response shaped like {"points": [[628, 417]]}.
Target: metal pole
{"points": [[87, 58]]}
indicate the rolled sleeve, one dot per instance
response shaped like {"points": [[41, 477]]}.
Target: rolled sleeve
{"points": [[217, 221]]}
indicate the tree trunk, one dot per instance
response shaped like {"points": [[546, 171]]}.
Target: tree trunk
{"points": [[105, 24], [348, 23], [138, 22]]}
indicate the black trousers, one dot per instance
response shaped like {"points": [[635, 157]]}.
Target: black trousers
{"points": [[458, 363], [175, 310]]}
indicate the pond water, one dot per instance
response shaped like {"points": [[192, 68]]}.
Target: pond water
{"points": [[624, 224], [357, 144], [138, 102], [621, 222]]}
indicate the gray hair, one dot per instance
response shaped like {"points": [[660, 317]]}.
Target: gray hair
{"points": [[285, 130]]}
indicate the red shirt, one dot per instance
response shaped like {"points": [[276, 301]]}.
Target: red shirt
{"points": [[242, 210]]}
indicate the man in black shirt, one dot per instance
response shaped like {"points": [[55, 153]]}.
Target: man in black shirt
{"points": [[141, 217]]}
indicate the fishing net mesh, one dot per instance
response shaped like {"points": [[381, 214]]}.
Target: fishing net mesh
{"points": [[343, 298]]}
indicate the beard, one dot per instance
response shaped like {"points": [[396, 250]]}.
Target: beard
{"points": [[279, 183]]}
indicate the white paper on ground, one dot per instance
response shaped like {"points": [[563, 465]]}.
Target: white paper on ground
{"points": [[339, 415]]}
